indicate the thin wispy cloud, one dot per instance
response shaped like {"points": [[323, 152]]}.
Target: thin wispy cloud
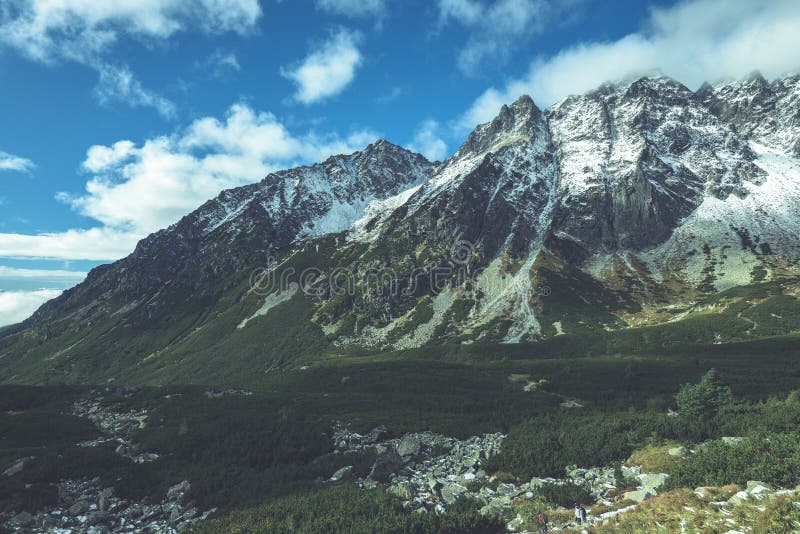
{"points": [[327, 70], [495, 28], [355, 8], [10, 162], [428, 142]]}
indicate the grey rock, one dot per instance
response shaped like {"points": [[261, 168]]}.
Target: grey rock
{"points": [[386, 465], [409, 446], [506, 489], [17, 466], [342, 474], [179, 492], [451, 492], [378, 434], [639, 495], [22, 519], [679, 452], [79, 507]]}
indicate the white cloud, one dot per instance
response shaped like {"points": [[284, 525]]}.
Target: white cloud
{"points": [[222, 63], [85, 32], [135, 189], [13, 273], [694, 41], [16, 306], [390, 96], [495, 28], [354, 8], [97, 244], [118, 84], [428, 143], [10, 162], [328, 70]]}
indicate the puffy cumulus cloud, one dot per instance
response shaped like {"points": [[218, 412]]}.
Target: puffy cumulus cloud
{"points": [[85, 32], [10, 162], [135, 189], [16, 306], [325, 72], [428, 142], [693, 41], [495, 28], [354, 8]]}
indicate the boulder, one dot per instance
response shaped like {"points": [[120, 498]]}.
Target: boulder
{"points": [[97, 517], [515, 524], [732, 440], [404, 491], [22, 519], [451, 492], [386, 464], [756, 485], [342, 474], [78, 508], [639, 495], [378, 434], [17, 466], [409, 446], [679, 452], [104, 501], [179, 492], [506, 489], [652, 481], [738, 498]]}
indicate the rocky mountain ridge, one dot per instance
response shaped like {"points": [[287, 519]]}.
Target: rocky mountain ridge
{"points": [[593, 214]]}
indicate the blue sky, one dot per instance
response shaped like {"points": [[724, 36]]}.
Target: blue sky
{"points": [[119, 117]]}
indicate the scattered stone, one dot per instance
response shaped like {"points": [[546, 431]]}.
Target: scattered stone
{"points": [[732, 440], [386, 464], [179, 492], [342, 474], [378, 434], [22, 519], [639, 495], [17, 466], [679, 452], [409, 445]]}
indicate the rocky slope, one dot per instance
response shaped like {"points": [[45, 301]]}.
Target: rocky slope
{"points": [[597, 213]]}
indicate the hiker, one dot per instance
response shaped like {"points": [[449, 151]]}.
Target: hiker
{"points": [[542, 523], [578, 513], [583, 515]]}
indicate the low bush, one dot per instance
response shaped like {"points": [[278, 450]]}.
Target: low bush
{"points": [[773, 458], [565, 495], [349, 509]]}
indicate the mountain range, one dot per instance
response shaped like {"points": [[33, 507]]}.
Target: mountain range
{"points": [[641, 206]]}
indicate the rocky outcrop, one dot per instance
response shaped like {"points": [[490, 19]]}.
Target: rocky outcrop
{"points": [[88, 506], [117, 426]]}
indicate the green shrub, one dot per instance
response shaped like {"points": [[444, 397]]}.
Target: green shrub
{"points": [[352, 510], [565, 495], [704, 399], [774, 458]]}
